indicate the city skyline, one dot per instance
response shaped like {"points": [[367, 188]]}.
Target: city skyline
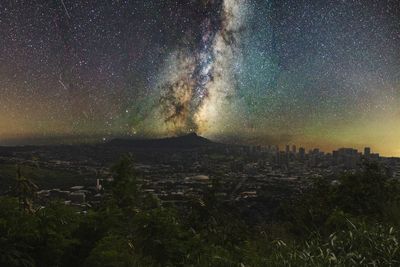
{"points": [[293, 148]]}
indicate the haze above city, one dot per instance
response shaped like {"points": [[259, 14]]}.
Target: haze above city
{"points": [[317, 74]]}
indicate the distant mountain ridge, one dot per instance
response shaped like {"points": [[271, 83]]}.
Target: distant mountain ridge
{"points": [[184, 141]]}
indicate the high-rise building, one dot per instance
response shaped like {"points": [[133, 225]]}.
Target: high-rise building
{"points": [[302, 153], [294, 149], [367, 151]]}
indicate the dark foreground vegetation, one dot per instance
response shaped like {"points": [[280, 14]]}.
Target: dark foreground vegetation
{"points": [[352, 221]]}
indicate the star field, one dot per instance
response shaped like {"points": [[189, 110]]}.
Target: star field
{"points": [[314, 73]]}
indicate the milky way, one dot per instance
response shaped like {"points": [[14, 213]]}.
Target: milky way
{"points": [[314, 73], [191, 98]]}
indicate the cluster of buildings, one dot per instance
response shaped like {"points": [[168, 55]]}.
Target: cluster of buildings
{"points": [[343, 159], [246, 174], [82, 197]]}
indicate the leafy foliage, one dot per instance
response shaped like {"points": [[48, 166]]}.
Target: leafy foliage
{"points": [[351, 222]]}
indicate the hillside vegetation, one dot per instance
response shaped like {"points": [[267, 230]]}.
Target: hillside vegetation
{"points": [[351, 222]]}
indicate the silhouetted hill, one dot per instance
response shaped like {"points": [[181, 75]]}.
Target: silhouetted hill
{"points": [[184, 141]]}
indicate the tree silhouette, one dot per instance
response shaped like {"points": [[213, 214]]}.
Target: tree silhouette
{"points": [[25, 189]]}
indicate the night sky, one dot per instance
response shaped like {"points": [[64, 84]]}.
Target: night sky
{"points": [[313, 73]]}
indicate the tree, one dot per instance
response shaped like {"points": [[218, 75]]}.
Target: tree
{"points": [[125, 189], [18, 234], [116, 251], [25, 189], [364, 193]]}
